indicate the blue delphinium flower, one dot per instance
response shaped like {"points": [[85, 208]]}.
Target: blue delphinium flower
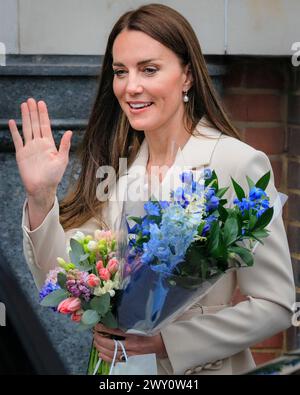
{"points": [[256, 193], [257, 201], [187, 177], [152, 208], [169, 241], [47, 289], [212, 201], [207, 174]]}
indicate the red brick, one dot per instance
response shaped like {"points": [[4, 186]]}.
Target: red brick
{"points": [[294, 80], [259, 108], [234, 75], [236, 105], [294, 175], [294, 238], [263, 108], [294, 207], [294, 141], [269, 140], [264, 75], [277, 170], [263, 357], [273, 342], [296, 271], [294, 109]]}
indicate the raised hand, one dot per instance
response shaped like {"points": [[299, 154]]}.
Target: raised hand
{"points": [[40, 164]]}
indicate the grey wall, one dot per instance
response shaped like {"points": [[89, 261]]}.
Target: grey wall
{"points": [[76, 27]]}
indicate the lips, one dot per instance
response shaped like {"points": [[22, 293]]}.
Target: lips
{"points": [[139, 105]]}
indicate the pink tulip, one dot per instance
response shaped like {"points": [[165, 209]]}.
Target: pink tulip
{"points": [[69, 305], [99, 265], [93, 281], [113, 265], [103, 234], [104, 274]]}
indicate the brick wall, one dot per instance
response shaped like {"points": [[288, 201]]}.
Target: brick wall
{"points": [[262, 95]]}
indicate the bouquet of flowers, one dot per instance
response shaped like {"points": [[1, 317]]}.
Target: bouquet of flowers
{"points": [[180, 248], [168, 259], [85, 288]]}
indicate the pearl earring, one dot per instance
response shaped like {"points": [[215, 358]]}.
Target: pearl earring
{"points": [[185, 97]]}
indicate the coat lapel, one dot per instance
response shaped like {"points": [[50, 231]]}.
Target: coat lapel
{"points": [[195, 155]]}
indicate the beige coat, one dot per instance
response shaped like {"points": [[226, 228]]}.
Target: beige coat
{"points": [[212, 337]]}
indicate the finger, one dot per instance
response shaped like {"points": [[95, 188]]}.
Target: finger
{"points": [[26, 123], [102, 328], [34, 116], [44, 120], [105, 342], [65, 143], [17, 139], [104, 357]]}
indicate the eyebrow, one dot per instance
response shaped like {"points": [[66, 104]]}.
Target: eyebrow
{"points": [[138, 63]]}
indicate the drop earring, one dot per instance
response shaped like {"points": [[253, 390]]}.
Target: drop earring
{"points": [[185, 97]]}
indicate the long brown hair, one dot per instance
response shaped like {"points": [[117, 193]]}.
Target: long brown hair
{"points": [[109, 135]]}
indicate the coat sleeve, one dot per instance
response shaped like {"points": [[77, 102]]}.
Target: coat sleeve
{"points": [[44, 244], [268, 286]]}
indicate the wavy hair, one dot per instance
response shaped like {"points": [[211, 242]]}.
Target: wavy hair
{"points": [[109, 136]]}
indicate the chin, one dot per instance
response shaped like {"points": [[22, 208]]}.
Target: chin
{"points": [[140, 125]]}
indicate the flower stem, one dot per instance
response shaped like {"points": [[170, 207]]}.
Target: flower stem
{"points": [[103, 368]]}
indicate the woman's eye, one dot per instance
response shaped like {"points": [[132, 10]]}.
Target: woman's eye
{"points": [[118, 72], [150, 70], [147, 70]]}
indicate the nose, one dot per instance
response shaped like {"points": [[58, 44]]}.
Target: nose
{"points": [[133, 85]]}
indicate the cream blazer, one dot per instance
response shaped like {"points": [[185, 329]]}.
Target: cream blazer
{"points": [[212, 337]]}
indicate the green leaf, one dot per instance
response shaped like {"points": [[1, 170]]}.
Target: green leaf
{"points": [[223, 213], [90, 317], [243, 253], [61, 280], [263, 181], [76, 252], [252, 221], [265, 218], [84, 257], [251, 183], [138, 220], [221, 192], [216, 244], [260, 233], [54, 298], [230, 231], [101, 303], [238, 189], [194, 257], [109, 320]]}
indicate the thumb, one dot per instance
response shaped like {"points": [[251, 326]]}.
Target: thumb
{"points": [[65, 143]]}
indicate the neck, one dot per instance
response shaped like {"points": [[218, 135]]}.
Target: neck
{"points": [[163, 144]]}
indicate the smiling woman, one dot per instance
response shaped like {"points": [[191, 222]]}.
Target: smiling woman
{"points": [[154, 93]]}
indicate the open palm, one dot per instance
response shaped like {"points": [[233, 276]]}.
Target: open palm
{"points": [[41, 165]]}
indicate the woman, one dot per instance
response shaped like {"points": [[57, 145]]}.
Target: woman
{"points": [[155, 91]]}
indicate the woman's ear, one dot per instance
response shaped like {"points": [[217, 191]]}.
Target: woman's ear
{"points": [[188, 82]]}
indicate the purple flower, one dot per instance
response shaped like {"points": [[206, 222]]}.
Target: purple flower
{"points": [[78, 288]]}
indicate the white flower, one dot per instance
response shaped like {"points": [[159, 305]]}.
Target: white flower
{"points": [[98, 291], [92, 245], [79, 236], [112, 292]]}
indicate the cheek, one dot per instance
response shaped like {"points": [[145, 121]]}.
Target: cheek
{"points": [[117, 88]]}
